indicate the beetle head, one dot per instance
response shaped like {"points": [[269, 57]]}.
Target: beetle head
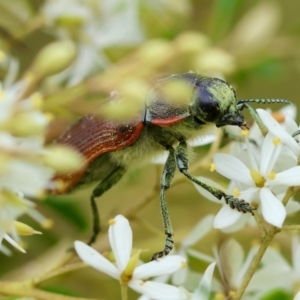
{"points": [[215, 102]]}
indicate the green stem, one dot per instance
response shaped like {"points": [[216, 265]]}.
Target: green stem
{"points": [[291, 227], [261, 251], [124, 291]]}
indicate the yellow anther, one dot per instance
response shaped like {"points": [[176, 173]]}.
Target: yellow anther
{"points": [[245, 132], [236, 192], [272, 175], [112, 222], [276, 141], [212, 167]]}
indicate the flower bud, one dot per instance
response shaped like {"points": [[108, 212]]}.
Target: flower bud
{"points": [[63, 159], [54, 58], [156, 53], [24, 229], [27, 124]]}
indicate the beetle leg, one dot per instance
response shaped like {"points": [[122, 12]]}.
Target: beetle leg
{"points": [[182, 163], [166, 178], [100, 189]]}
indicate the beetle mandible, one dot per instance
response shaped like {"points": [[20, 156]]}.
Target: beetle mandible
{"points": [[109, 147]]}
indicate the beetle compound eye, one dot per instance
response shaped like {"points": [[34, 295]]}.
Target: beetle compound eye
{"points": [[208, 108]]}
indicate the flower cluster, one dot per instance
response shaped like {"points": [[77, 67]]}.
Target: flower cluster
{"points": [[261, 170], [129, 270], [27, 167]]}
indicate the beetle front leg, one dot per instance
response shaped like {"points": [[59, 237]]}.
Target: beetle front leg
{"points": [[100, 189], [182, 163], [166, 178]]}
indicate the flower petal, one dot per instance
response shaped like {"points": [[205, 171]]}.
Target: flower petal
{"points": [[206, 193], [269, 154], [290, 177], [166, 265], [200, 230], [202, 291], [232, 168], [276, 129], [95, 259], [158, 290], [226, 217], [272, 209], [120, 237]]}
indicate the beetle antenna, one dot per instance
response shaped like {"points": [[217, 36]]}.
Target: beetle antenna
{"points": [[263, 101]]}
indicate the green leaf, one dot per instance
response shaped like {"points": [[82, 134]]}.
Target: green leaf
{"points": [[70, 210]]}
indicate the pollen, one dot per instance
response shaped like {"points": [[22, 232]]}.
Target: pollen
{"points": [[231, 294], [276, 141], [272, 175], [183, 265], [112, 222], [257, 178], [236, 192], [245, 132], [212, 167]]}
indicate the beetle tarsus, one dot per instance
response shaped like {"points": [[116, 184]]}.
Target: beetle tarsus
{"points": [[238, 204], [182, 163], [168, 248]]}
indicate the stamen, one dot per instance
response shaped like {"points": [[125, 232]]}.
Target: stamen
{"points": [[276, 141], [272, 175], [245, 132], [257, 178], [212, 167], [112, 222], [128, 272], [236, 192]]}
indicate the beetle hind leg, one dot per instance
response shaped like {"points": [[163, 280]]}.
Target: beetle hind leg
{"points": [[166, 178], [100, 189], [182, 163]]}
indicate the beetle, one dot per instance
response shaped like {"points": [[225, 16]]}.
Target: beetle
{"points": [[111, 146]]}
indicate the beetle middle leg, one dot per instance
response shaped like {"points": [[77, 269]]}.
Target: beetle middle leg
{"points": [[182, 163], [166, 179], [100, 189]]}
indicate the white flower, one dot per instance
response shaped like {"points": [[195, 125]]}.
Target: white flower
{"points": [[276, 271], [203, 290], [126, 270], [256, 180], [100, 25], [236, 220]]}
